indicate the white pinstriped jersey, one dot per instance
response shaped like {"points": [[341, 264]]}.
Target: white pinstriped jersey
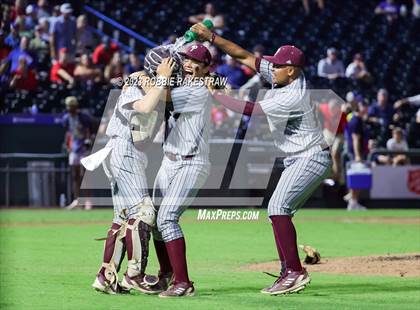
{"points": [[189, 123], [118, 124], [291, 116]]}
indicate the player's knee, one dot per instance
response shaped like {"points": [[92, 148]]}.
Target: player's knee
{"points": [[117, 220], [271, 208], [145, 212], [279, 210], [167, 227], [162, 223]]}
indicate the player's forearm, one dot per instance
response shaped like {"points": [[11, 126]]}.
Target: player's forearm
{"points": [[239, 106], [357, 146], [149, 102], [235, 51]]}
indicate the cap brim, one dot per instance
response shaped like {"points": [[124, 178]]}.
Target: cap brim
{"points": [[189, 56], [273, 60]]}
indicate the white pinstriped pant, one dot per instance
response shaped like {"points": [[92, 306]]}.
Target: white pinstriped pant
{"points": [[179, 182], [125, 168], [300, 178]]}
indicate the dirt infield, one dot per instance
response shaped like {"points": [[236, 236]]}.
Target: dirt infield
{"points": [[390, 265]]}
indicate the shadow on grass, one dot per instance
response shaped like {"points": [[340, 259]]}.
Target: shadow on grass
{"points": [[323, 289]]}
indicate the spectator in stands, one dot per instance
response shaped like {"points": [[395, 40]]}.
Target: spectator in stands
{"points": [[114, 70], [331, 67], [134, 64], [12, 59], [398, 143], [85, 39], [43, 9], [84, 70], [38, 43], [416, 8], [103, 52], [54, 17], [24, 78], [218, 115], [381, 113], [221, 122], [258, 52], [357, 69], [414, 131], [4, 48], [215, 58], [31, 18], [232, 71], [210, 13], [357, 139], [413, 100], [255, 83], [307, 8], [18, 9], [375, 158], [12, 40], [21, 27], [64, 32], [389, 9], [352, 101], [334, 122], [44, 29], [6, 13], [62, 72], [78, 139]]}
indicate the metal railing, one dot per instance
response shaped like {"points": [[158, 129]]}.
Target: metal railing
{"points": [[117, 29], [411, 153], [8, 169]]}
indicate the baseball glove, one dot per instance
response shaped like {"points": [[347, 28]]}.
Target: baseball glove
{"points": [[312, 255]]}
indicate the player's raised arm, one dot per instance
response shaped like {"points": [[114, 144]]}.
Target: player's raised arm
{"points": [[234, 50], [148, 103], [239, 106]]}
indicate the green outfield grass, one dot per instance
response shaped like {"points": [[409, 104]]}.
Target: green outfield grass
{"points": [[48, 260]]}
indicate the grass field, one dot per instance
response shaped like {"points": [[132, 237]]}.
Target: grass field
{"points": [[49, 259]]}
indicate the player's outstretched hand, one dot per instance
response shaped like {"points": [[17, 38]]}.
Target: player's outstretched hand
{"points": [[202, 31], [166, 67]]}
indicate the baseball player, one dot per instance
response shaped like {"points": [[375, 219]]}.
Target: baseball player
{"points": [[297, 133], [78, 139], [124, 162], [184, 168]]}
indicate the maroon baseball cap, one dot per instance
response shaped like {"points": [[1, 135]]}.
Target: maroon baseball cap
{"points": [[287, 55], [197, 51]]}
